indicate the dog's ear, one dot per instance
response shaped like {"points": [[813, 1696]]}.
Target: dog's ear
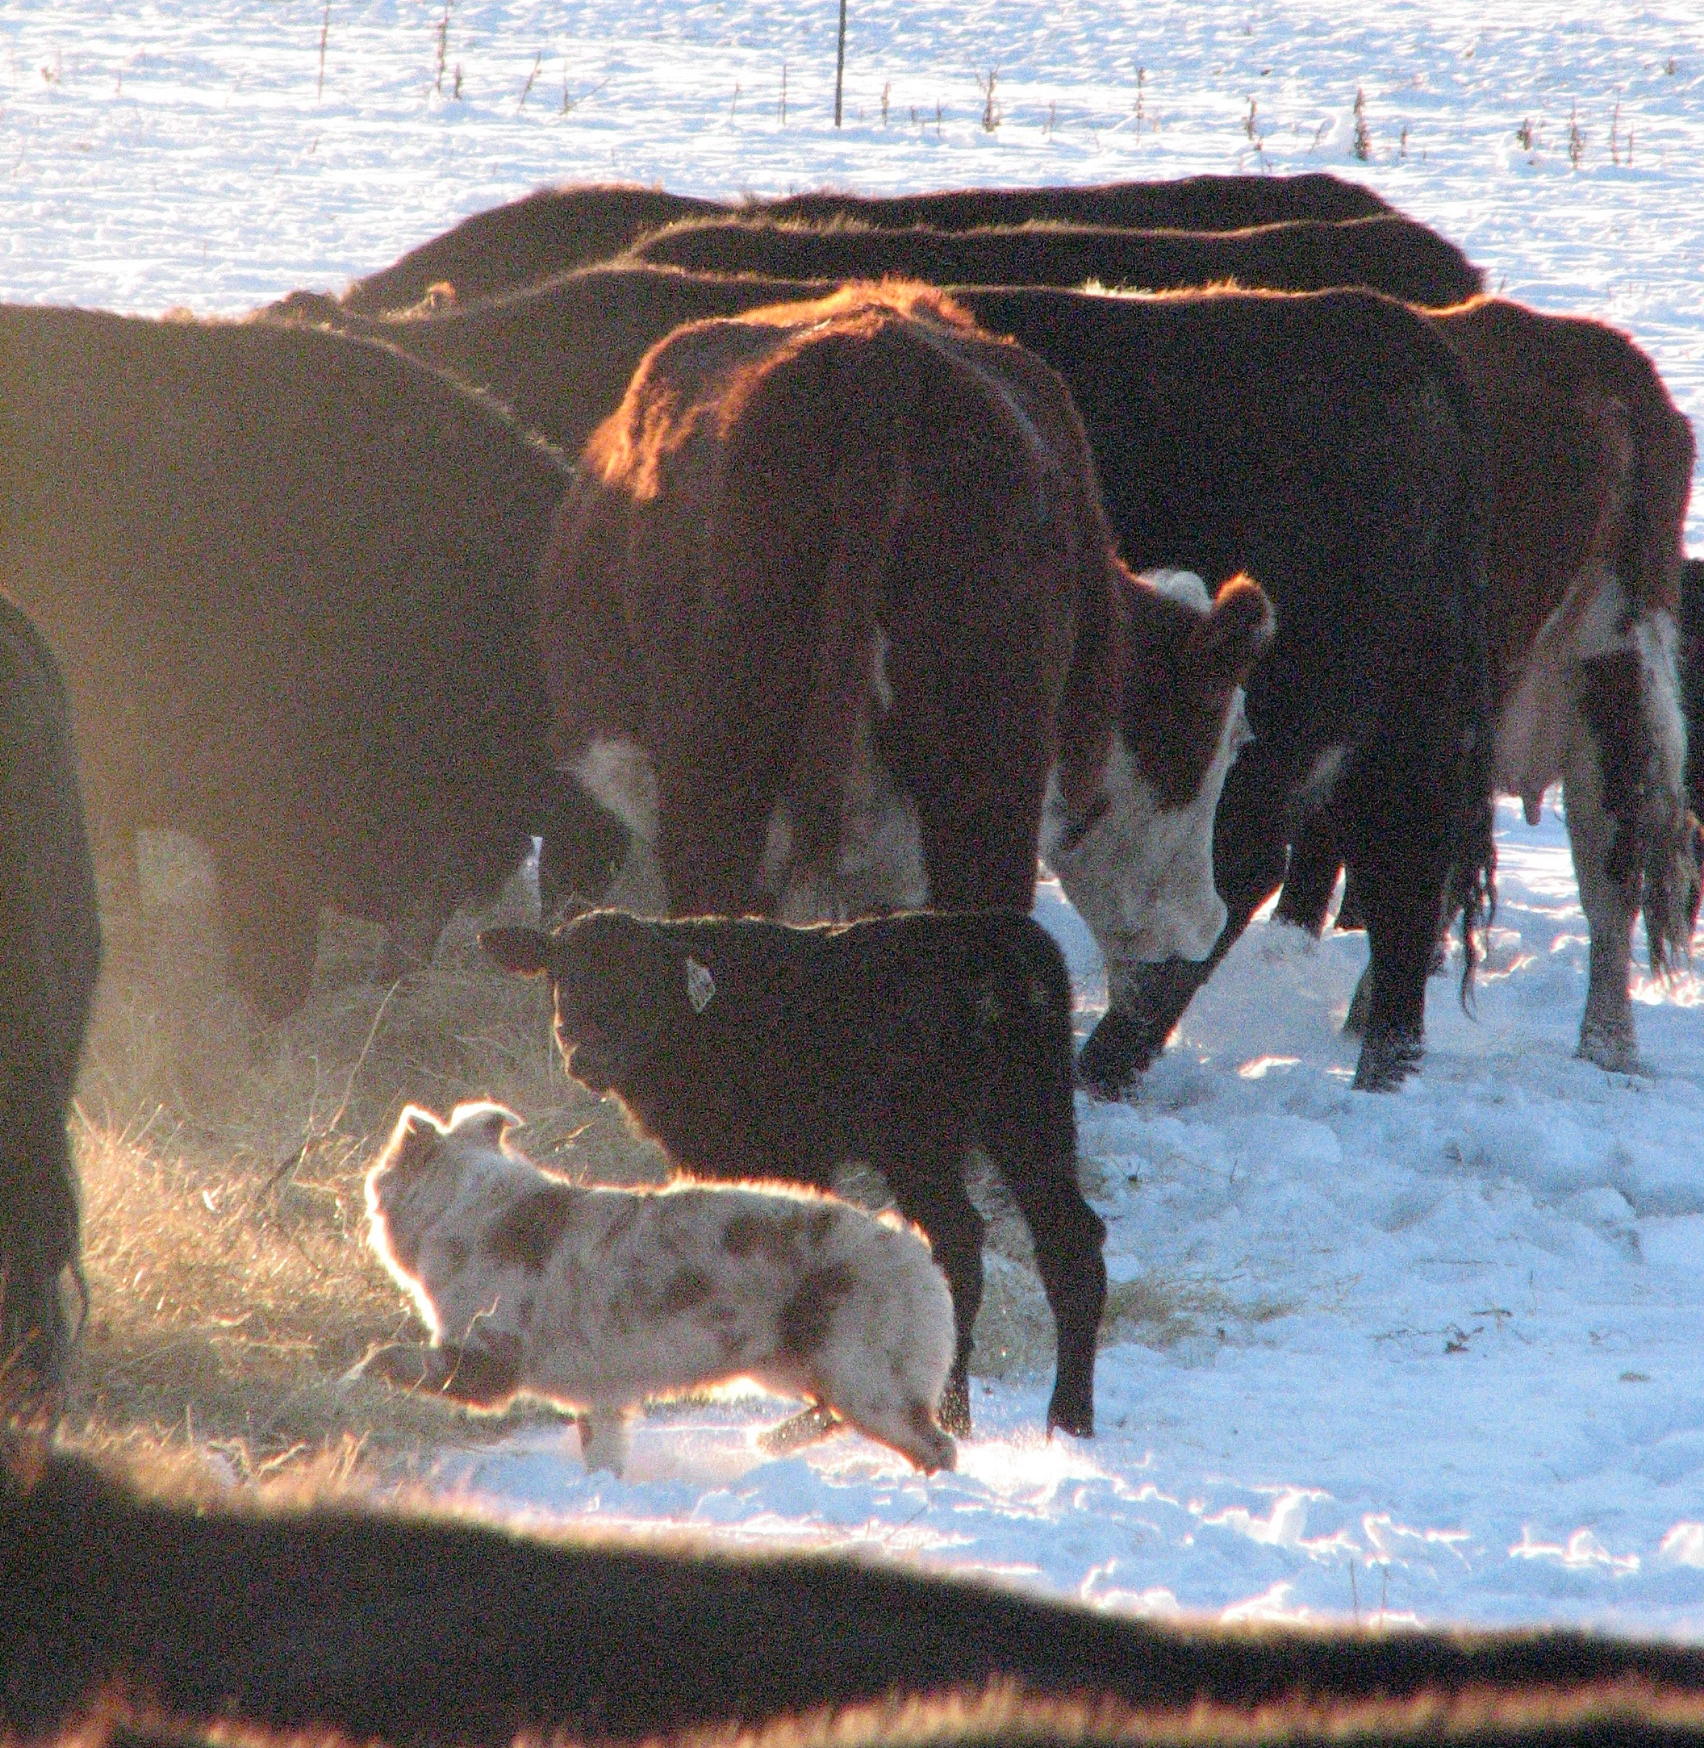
{"points": [[525, 952], [484, 1122], [415, 1140]]}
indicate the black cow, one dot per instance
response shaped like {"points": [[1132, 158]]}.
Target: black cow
{"points": [[137, 1617], [1388, 253], [50, 952], [553, 230], [1184, 203], [1328, 444], [753, 1049], [289, 578]]}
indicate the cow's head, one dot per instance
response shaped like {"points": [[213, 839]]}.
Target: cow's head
{"points": [[613, 981], [1138, 862]]}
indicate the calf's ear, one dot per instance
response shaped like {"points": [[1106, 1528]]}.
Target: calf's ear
{"points": [[526, 952], [1235, 632]]}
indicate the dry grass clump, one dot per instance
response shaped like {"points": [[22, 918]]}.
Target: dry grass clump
{"points": [[229, 1281]]}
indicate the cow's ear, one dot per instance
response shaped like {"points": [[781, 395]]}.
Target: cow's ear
{"points": [[1234, 633], [526, 952]]}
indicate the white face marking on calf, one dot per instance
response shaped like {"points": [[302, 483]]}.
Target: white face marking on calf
{"points": [[1142, 876]]}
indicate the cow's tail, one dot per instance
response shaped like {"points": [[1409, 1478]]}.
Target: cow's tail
{"points": [[836, 409], [1650, 566], [1472, 891]]}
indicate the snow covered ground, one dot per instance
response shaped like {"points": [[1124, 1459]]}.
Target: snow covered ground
{"points": [[1438, 1355]]}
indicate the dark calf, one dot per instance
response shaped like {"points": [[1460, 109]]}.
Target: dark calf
{"points": [[49, 962], [752, 1049]]}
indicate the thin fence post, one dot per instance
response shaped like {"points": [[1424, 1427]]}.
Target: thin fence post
{"points": [[840, 63]]}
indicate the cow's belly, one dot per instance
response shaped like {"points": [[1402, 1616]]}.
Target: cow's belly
{"points": [[1538, 721]]}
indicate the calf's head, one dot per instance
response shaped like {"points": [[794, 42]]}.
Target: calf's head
{"points": [[615, 984], [1139, 866]]}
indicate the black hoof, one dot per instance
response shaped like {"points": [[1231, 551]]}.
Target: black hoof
{"points": [[1118, 1051], [1386, 1063], [954, 1412], [1077, 1419]]}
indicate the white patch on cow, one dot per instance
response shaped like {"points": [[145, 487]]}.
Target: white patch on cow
{"points": [[1182, 586], [1655, 638], [1142, 876], [880, 685], [700, 986], [1539, 721], [1318, 786], [878, 858], [620, 774]]}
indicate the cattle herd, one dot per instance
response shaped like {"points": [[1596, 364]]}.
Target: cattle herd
{"points": [[796, 575]]}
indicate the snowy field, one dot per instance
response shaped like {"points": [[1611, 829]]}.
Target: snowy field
{"points": [[1434, 1356]]}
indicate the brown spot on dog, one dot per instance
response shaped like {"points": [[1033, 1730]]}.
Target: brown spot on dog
{"points": [[528, 1230], [774, 1235], [455, 1255], [821, 1226], [683, 1291], [480, 1376], [808, 1316]]}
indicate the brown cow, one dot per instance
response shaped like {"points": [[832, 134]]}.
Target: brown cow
{"points": [[289, 578], [834, 622], [1591, 468], [1327, 443], [134, 1612]]}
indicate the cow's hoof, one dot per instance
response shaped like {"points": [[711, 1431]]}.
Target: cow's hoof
{"points": [[1076, 1419], [954, 1412], [1387, 1062], [1118, 1052], [1614, 1049]]}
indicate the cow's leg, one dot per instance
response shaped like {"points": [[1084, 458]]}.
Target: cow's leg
{"points": [[271, 932], [1310, 878], [1145, 1001], [1068, 1235], [1627, 827], [929, 1191], [38, 1242]]}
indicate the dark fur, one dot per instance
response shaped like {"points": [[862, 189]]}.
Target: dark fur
{"points": [[49, 961], [289, 577], [1691, 626], [155, 1619], [1328, 444], [901, 1042], [1388, 253], [1591, 469], [1186, 203], [545, 232], [553, 230]]}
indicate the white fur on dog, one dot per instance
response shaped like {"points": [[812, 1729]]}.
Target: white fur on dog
{"points": [[597, 1297]]}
